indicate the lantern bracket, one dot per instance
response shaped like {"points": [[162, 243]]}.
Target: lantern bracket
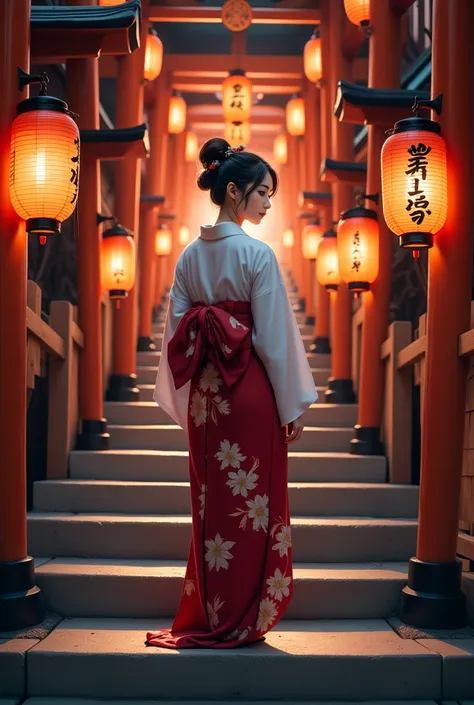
{"points": [[361, 197], [436, 105], [27, 79], [101, 218]]}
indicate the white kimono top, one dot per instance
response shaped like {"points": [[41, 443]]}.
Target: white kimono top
{"points": [[226, 264]]}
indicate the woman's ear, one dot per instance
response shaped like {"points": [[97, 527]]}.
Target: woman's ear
{"points": [[232, 190]]}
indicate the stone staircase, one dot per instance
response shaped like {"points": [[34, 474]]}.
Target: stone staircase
{"points": [[111, 544]]}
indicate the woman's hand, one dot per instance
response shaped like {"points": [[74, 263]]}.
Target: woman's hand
{"points": [[294, 430]]}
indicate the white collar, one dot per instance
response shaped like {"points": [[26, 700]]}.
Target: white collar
{"points": [[221, 230]]}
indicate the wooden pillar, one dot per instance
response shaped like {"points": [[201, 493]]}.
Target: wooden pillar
{"points": [[340, 388], [83, 99], [433, 598], [384, 72], [19, 597], [293, 179], [129, 112], [176, 175]]}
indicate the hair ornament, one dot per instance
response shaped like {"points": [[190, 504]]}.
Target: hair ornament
{"points": [[228, 153]]}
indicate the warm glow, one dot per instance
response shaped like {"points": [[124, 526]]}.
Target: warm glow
{"points": [[163, 241], [44, 164], [327, 264], [358, 11], [313, 64], [414, 182], [177, 115], [288, 238], [280, 149], [184, 235], [153, 56], [192, 146], [295, 117], [311, 237], [111, 2], [358, 248], [237, 134], [237, 97], [118, 262]]}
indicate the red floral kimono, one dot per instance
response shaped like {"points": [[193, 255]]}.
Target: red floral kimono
{"points": [[238, 581]]}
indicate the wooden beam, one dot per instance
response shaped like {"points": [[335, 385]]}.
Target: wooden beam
{"points": [[256, 66], [271, 86], [213, 15]]}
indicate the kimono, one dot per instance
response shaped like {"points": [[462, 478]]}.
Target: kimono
{"points": [[233, 373]]}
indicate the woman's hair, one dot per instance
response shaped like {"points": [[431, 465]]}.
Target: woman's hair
{"points": [[244, 169]]}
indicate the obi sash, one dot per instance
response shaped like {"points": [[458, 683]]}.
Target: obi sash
{"points": [[221, 333]]}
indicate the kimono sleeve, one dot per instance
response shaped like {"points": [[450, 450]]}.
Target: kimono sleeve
{"points": [[174, 402], [278, 343]]}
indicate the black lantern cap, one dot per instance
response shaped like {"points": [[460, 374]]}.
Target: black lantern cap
{"points": [[359, 212], [117, 229], [416, 123], [330, 233]]}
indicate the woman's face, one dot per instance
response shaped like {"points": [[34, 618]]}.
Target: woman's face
{"points": [[258, 203]]}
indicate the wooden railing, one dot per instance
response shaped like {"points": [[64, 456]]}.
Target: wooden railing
{"points": [[56, 344]]}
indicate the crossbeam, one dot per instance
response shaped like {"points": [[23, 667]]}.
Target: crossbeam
{"points": [[213, 15]]}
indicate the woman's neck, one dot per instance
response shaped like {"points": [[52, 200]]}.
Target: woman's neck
{"points": [[227, 215]]}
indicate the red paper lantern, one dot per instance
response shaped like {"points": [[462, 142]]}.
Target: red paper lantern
{"points": [[313, 63], [237, 97], [118, 261], [358, 248], [311, 237], [191, 147], [415, 182], [237, 133], [295, 117], [177, 115], [44, 164], [280, 149], [163, 241], [184, 235], [153, 56], [288, 240], [327, 263], [111, 2], [358, 12]]}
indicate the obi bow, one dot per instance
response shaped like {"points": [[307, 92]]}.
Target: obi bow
{"points": [[211, 332]]}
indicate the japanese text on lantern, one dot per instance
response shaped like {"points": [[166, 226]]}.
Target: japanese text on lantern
{"points": [[75, 171], [356, 253], [237, 97], [417, 202]]}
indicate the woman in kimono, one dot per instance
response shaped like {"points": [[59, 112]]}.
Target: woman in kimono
{"points": [[234, 374]]}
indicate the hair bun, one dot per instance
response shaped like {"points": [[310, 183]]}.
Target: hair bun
{"points": [[213, 149]]}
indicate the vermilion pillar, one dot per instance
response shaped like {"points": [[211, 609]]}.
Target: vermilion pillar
{"points": [[433, 597], [83, 99], [384, 72], [128, 112], [19, 597], [293, 179], [340, 388], [176, 176]]}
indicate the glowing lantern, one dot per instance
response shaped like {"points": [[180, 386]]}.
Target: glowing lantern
{"points": [[153, 56], [311, 237], [288, 238], [358, 248], [163, 241], [177, 115], [280, 149], [44, 164], [118, 261], [237, 97], [237, 133], [327, 264], [414, 182], [358, 12], [184, 236], [313, 64], [111, 2], [191, 147], [295, 116]]}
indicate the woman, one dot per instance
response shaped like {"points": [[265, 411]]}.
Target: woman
{"points": [[234, 373]]}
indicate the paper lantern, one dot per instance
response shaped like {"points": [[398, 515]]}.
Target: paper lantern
{"points": [[237, 133], [184, 235], [358, 248], [118, 261], [44, 164], [313, 64], [280, 149], [191, 146], [163, 241], [177, 115], [415, 182], [237, 97], [327, 263], [295, 117], [111, 2], [358, 12], [153, 56], [288, 238], [311, 237]]}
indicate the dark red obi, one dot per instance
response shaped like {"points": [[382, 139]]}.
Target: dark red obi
{"points": [[221, 333]]}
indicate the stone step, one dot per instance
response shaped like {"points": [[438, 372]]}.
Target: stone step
{"points": [[146, 393], [170, 437], [147, 375], [315, 539], [137, 497], [143, 413], [172, 466], [300, 660], [152, 358], [86, 587]]}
